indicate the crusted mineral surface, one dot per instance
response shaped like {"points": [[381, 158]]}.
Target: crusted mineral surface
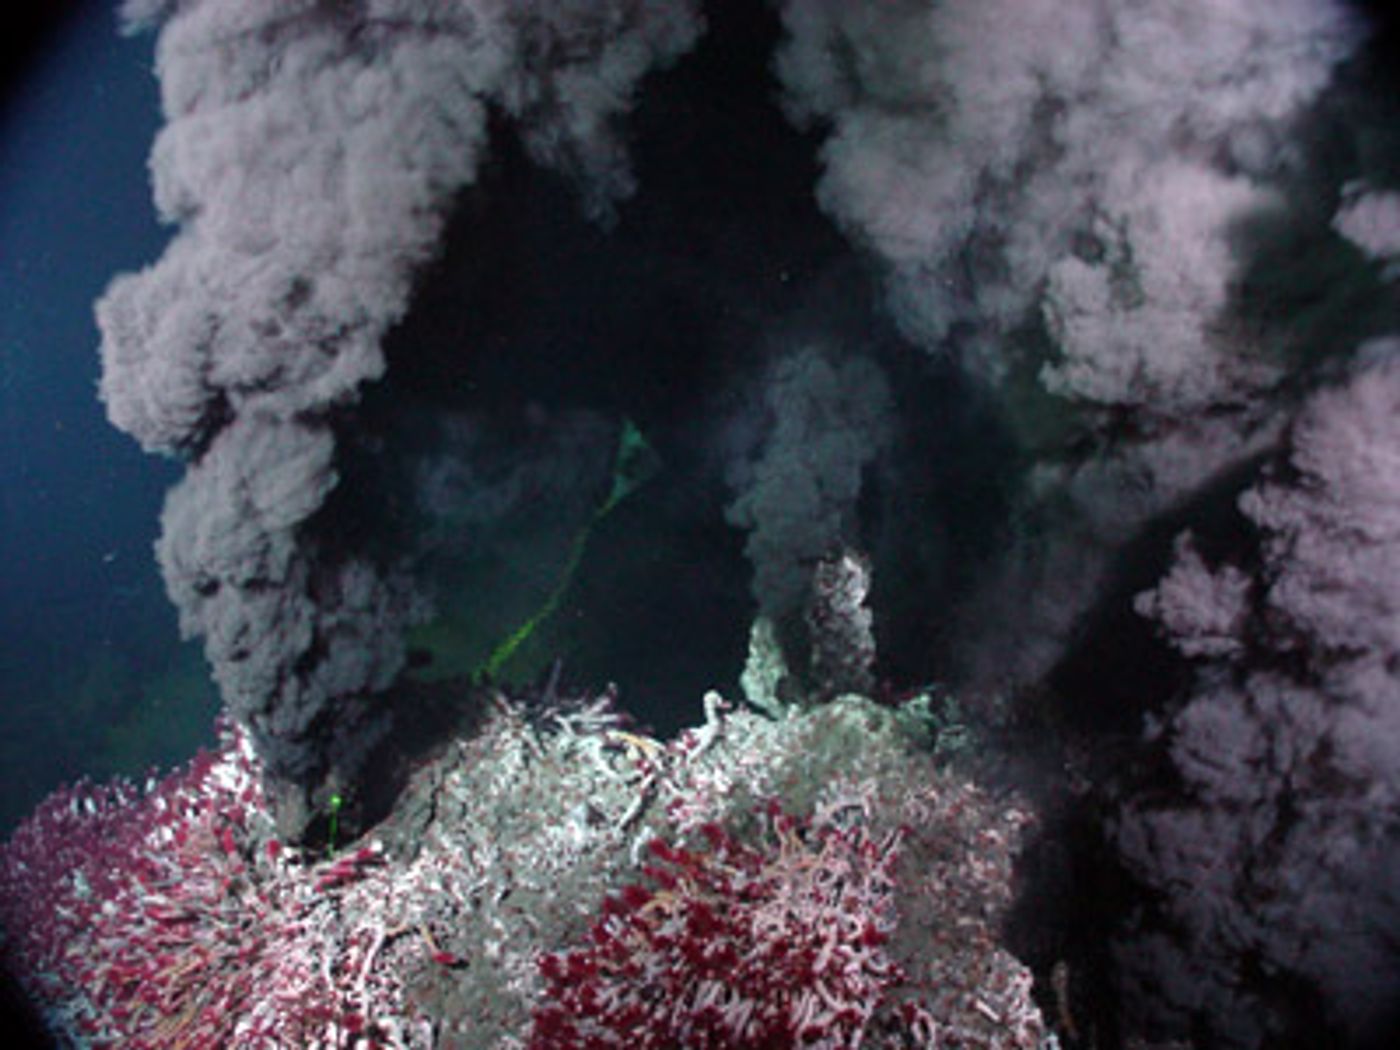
{"points": [[513, 852]]}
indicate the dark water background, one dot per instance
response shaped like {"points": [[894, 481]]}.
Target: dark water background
{"points": [[90, 660]]}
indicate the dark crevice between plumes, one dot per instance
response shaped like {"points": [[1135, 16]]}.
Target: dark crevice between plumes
{"points": [[533, 320]]}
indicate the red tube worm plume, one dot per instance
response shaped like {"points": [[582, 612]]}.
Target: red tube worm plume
{"points": [[733, 947], [150, 917], [123, 906]]}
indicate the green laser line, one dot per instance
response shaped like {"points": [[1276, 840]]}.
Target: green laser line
{"points": [[633, 465], [335, 803]]}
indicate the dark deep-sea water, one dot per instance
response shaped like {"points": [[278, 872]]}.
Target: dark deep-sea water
{"points": [[90, 663]]}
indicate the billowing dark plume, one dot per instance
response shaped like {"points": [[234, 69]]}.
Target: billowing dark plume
{"points": [[1281, 851], [309, 160]]}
